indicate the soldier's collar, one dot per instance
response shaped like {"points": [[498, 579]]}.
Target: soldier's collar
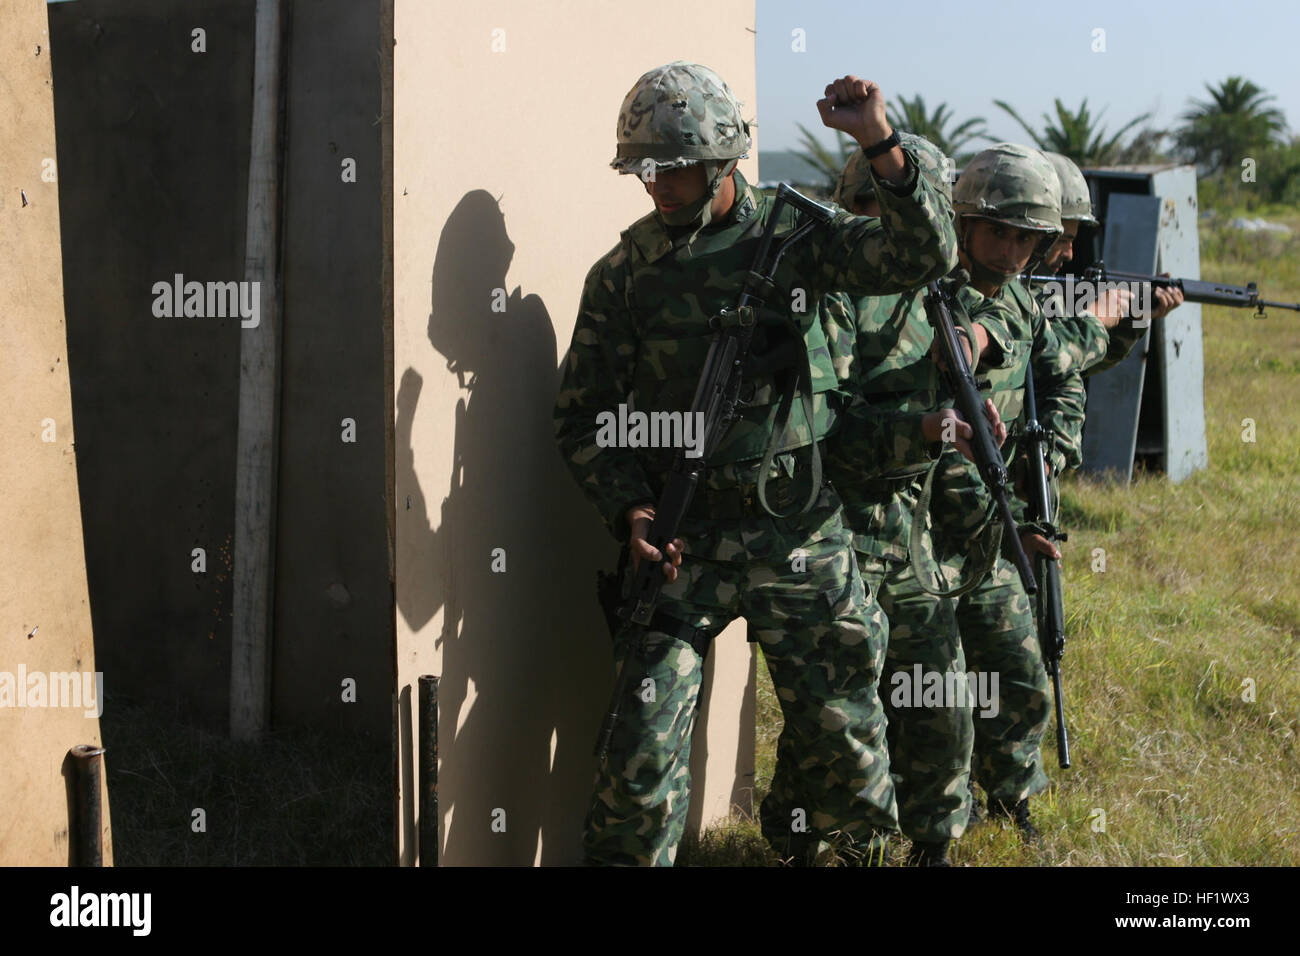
{"points": [[745, 205], [654, 240], [1015, 290]]}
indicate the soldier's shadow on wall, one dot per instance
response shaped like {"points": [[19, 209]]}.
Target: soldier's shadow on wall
{"points": [[525, 656]]}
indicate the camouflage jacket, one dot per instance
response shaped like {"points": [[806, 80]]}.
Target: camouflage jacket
{"points": [[1058, 382], [642, 277], [887, 362]]}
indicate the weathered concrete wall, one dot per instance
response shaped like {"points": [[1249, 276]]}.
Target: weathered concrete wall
{"points": [[153, 163], [333, 580], [154, 141], [504, 117], [44, 607]]}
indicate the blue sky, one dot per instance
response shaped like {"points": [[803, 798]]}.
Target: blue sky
{"points": [[1158, 56]]}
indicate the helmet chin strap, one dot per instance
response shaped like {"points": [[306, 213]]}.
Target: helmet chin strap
{"points": [[702, 208], [1040, 252], [983, 275], [1039, 256]]}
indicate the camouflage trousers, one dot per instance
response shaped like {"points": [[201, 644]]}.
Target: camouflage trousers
{"points": [[930, 736], [798, 587], [1000, 637]]}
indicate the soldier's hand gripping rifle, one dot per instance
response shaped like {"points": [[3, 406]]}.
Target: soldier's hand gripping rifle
{"points": [[1194, 290], [939, 309], [1051, 608], [715, 397]]}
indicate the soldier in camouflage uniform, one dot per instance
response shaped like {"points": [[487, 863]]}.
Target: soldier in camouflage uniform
{"points": [[1100, 337], [1007, 204], [887, 351], [643, 329]]}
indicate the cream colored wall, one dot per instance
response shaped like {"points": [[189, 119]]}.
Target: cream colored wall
{"points": [[501, 180], [44, 609]]}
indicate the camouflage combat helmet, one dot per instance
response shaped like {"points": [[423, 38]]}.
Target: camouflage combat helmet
{"points": [[855, 180], [1011, 184], [1076, 203], [676, 115]]}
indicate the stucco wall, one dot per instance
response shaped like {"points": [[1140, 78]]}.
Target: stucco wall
{"points": [[504, 117], [44, 606]]}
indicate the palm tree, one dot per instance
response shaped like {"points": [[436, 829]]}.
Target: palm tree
{"points": [[1143, 149], [822, 159], [1217, 135], [913, 117], [1076, 135]]}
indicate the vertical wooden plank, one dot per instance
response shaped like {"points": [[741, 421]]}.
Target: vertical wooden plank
{"points": [[259, 365]]}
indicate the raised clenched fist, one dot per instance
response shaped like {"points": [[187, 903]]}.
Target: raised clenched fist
{"points": [[857, 107]]}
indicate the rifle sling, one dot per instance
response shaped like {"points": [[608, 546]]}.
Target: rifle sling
{"points": [[984, 552], [776, 432], [699, 638], [964, 324]]}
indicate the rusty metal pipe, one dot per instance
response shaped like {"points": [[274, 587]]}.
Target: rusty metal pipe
{"points": [[428, 782], [87, 810]]}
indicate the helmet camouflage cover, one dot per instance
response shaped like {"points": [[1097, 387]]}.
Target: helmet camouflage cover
{"points": [[1012, 184], [678, 114], [1076, 202], [855, 180]]}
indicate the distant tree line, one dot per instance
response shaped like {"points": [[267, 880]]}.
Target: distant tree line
{"points": [[1236, 139]]}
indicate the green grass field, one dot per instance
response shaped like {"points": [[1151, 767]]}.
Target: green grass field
{"points": [[1200, 599], [296, 798]]}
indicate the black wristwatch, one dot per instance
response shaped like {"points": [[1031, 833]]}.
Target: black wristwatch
{"points": [[881, 148]]}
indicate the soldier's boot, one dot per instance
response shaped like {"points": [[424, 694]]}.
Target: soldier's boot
{"points": [[928, 854], [977, 814], [1019, 814]]}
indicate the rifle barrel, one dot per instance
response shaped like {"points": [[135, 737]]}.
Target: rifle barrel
{"points": [[1267, 304], [1062, 735], [1203, 291]]}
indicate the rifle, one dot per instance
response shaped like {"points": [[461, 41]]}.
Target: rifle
{"points": [[1051, 609], [939, 308], [716, 397], [1194, 290]]}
